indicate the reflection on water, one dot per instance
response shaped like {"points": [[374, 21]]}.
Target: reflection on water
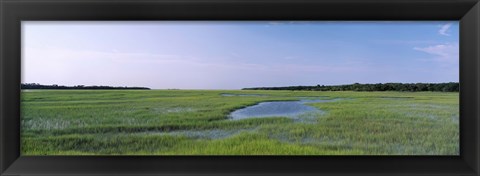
{"points": [[292, 109], [299, 110]]}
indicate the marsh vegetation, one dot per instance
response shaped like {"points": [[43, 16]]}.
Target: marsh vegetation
{"points": [[202, 122]]}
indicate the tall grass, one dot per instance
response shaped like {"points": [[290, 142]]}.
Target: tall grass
{"points": [[142, 122]]}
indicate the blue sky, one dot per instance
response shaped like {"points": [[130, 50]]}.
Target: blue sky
{"points": [[235, 55]]}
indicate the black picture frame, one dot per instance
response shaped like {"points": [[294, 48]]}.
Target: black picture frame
{"points": [[12, 12]]}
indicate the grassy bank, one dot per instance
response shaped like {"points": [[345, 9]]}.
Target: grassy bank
{"points": [[191, 122]]}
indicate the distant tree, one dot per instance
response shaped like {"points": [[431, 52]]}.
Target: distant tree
{"points": [[55, 86], [412, 87]]}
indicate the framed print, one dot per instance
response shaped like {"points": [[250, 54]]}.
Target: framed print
{"points": [[239, 87]]}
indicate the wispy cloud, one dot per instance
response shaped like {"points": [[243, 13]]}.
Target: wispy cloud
{"points": [[444, 29], [405, 42], [448, 52], [277, 22], [289, 22]]}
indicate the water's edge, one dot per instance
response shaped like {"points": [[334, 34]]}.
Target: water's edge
{"points": [[298, 110]]}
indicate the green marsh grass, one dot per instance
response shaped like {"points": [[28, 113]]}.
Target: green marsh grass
{"points": [[155, 122]]}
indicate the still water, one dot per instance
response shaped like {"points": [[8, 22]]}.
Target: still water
{"points": [[292, 109]]}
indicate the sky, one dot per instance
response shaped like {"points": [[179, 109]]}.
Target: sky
{"points": [[235, 55]]}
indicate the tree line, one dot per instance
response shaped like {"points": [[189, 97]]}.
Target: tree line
{"points": [[54, 86], [411, 87]]}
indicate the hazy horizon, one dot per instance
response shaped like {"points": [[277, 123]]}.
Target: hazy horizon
{"points": [[234, 89], [236, 55]]}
